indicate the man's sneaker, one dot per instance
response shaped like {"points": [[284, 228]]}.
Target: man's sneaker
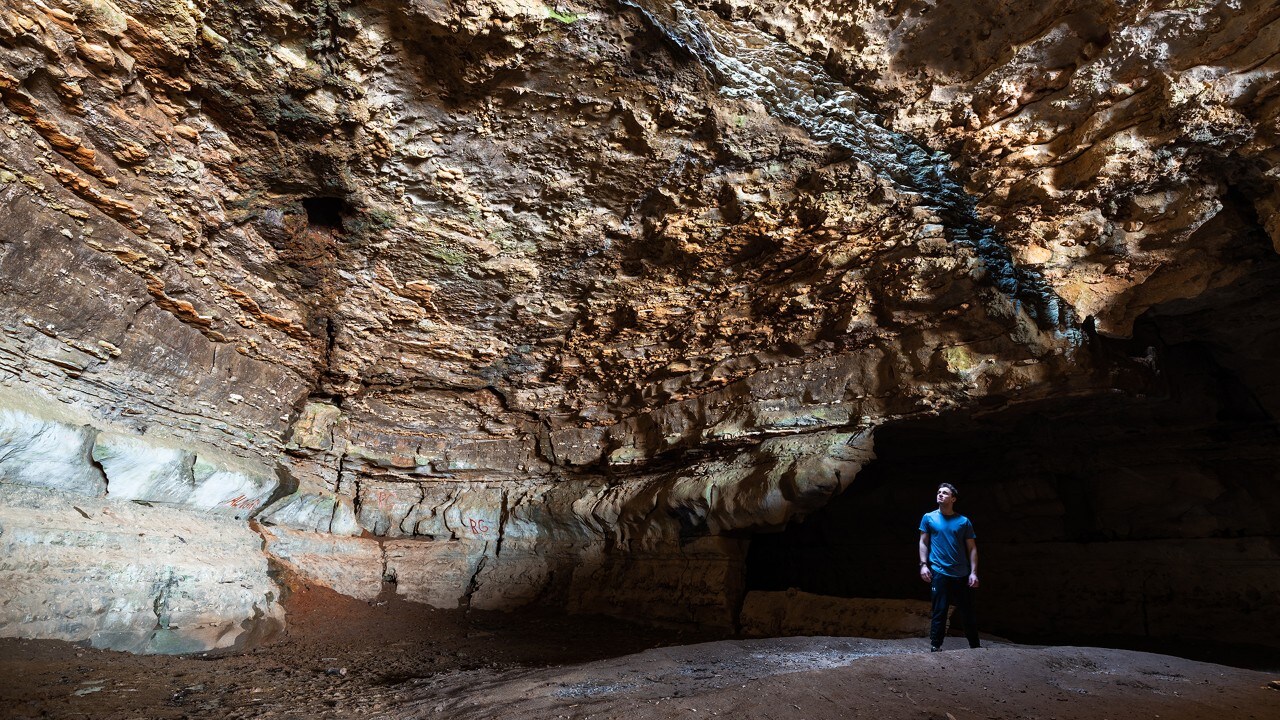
{"points": [[934, 649]]}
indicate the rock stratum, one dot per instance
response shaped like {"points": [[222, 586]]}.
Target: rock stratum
{"points": [[496, 303]]}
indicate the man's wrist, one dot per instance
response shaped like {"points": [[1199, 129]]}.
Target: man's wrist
{"points": [[923, 563]]}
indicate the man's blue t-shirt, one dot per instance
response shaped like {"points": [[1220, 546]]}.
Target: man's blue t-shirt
{"points": [[948, 553]]}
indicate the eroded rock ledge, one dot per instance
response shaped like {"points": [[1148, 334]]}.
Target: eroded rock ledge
{"points": [[502, 302]]}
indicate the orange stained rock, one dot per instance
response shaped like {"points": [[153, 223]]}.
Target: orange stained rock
{"points": [[251, 306], [69, 146], [61, 18], [181, 309]]}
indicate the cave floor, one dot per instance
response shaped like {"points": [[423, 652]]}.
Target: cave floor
{"points": [[393, 659]]}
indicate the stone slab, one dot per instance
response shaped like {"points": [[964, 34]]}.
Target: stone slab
{"points": [[128, 577]]}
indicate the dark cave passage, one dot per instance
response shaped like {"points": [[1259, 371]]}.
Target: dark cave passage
{"points": [[324, 212], [1147, 522]]}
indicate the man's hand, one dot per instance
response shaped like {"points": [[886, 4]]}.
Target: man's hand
{"points": [[925, 575], [973, 580]]}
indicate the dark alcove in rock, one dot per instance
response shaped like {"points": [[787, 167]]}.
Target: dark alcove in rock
{"points": [[324, 212]]}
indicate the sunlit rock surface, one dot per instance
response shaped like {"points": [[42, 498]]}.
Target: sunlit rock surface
{"points": [[129, 545], [131, 577], [48, 454], [505, 302]]}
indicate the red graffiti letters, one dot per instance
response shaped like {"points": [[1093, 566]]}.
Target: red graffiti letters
{"points": [[242, 502]]}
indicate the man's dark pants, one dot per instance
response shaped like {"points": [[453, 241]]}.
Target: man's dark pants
{"points": [[952, 591]]}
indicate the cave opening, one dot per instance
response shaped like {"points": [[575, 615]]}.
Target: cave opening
{"points": [[324, 212], [1125, 520]]}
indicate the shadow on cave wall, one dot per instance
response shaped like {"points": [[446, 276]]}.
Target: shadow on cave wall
{"points": [[1150, 522]]}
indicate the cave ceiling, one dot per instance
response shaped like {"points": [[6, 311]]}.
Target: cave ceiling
{"points": [[555, 282]]}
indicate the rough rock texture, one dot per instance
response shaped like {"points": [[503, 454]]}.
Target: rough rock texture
{"points": [[519, 302], [1123, 149]]}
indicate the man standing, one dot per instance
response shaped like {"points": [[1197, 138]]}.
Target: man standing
{"points": [[949, 563]]}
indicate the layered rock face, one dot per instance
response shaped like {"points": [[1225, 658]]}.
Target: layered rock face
{"points": [[504, 302]]}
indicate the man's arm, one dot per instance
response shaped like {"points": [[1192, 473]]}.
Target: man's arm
{"points": [[973, 562], [925, 575]]}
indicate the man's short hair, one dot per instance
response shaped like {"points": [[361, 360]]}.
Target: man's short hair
{"points": [[954, 493]]}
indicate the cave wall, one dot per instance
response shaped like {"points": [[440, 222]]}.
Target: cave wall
{"points": [[505, 303]]}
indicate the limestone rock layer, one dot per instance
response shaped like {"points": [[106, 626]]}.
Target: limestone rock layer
{"points": [[503, 302]]}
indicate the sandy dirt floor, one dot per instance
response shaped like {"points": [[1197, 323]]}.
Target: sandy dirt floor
{"points": [[344, 658]]}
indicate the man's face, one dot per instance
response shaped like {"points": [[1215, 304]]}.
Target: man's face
{"points": [[945, 496]]}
